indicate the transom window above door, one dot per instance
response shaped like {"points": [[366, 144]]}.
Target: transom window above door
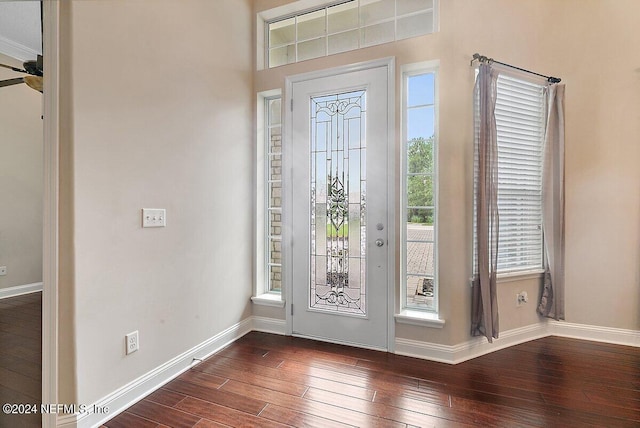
{"points": [[335, 27]]}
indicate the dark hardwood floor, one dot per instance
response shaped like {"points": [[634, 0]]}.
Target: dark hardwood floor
{"points": [[274, 381], [21, 356], [270, 380]]}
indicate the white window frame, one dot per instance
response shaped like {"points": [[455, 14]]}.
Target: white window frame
{"points": [[302, 7], [412, 315], [262, 294]]}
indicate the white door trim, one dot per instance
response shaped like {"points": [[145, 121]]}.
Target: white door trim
{"points": [[287, 187], [51, 15]]}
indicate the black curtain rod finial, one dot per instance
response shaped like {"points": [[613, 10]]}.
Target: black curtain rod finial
{"points": [[481, 58]]}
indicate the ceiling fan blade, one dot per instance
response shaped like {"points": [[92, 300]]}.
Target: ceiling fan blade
{"points": [[19, 70], [10, 82]]}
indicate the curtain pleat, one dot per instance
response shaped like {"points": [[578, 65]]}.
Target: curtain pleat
{"points": [[484, 307], [552, 299]]}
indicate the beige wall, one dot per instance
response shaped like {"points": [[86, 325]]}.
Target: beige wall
{"points": [[603, 157], [157, 106], [590, 45], [20, 181]]}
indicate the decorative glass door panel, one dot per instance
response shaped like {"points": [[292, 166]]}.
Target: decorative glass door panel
{"points": [[338, 201], [338, 155]]}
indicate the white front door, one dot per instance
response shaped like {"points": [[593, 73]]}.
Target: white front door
{"points": [[339, 149]]}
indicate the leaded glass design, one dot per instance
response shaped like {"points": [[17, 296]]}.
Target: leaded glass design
{"points": [[338, 157]]}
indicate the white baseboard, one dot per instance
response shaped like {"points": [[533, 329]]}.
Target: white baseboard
{"points": [[454, 354], [618, 336], [129, 394], [476, 347], [269, 325], [19, 290]]}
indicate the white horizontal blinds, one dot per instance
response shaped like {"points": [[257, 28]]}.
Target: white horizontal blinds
{"points": [[343, 26], [476, 166], [519, 115]]}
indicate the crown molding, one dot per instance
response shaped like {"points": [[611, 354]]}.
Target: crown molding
{"points": [[16, 50]]}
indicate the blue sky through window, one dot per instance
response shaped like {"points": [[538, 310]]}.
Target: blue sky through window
{"points": [[420, 106]]}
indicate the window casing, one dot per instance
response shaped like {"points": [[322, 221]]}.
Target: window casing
{"points": [[343, 26], [268, 214], [520, 124], [419, 186]]}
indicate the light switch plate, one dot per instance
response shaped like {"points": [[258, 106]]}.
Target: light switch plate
{"points": [[154, 217]]}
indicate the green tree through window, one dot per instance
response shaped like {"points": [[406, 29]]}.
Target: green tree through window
{"points": [[420, 181]]}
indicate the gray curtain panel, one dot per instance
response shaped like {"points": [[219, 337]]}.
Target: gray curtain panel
{"points": [[552, 300], [484, 305]]}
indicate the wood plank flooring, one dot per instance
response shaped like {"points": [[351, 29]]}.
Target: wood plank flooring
{"points": [[268, 380], [21, 356], [274, 381]]}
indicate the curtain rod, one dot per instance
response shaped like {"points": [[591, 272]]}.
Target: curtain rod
{"points": [[482, 58]]}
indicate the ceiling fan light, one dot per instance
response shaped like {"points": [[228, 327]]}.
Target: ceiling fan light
{"points": [[34, 82]]}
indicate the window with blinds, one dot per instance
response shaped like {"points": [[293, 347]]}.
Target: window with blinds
{"points": [[520, 120]]}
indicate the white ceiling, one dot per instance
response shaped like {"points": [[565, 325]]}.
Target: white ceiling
{"points": [[20, 35]]}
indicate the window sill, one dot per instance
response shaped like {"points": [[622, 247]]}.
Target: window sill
{"points": [[516, 276], [419, 318], [269, 299], [520, 276]]}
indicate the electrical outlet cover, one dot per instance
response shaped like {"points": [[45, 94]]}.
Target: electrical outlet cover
{"points": [[131, 342]]}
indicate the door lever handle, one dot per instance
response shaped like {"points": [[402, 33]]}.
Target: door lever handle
{"points": [[379, 242]]}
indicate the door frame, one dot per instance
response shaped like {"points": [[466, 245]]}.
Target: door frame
{"points": [[287, 188], [51, 19]]}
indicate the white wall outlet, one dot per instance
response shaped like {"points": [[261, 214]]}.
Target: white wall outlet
{"points": [[154, 217], [3, 270], [522, 298], [132, 342]]}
